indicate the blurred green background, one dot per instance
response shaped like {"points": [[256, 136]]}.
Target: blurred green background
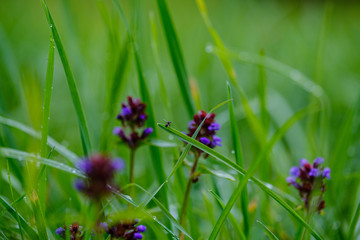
{"points": [[320, 39]]}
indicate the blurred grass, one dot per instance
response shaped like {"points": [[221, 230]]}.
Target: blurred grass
{"points": [[311, 56]]}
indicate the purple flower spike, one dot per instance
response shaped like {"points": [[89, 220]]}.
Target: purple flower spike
{"points": [[295, 171], [204, 140], [318, 161], [214, 127], [314, 172], [118, 164], [60, 231], [138, 236], [126, 111], [303, 162], [217, 141], [326, 173], [141, 228]]}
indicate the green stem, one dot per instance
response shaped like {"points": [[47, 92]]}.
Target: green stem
{"points": [[187, 193], [303, 235], [132, 164]]}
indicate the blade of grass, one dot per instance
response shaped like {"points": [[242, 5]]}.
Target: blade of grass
{"points": [[231, 217], [354, 222], [24, 156], [239, 160], [72, 157], [39, 216], [21, 221], [176, 55], [70, 81], [267, 231], [239, 169], [253, 120], [45, 123], [116, 88]]}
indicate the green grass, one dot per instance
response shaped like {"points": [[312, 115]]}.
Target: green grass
{"points": [[282, 77]]}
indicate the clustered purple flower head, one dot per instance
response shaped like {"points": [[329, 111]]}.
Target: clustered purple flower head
{"points": [[100, 171], [133, 118], [208, 130], [75, 231], [308, 178], [124, 230]]}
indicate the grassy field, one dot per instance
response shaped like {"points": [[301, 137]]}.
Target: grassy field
{"points": [[282, 77]]}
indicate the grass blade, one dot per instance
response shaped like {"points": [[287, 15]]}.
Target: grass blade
{"points": [[231, 217], [72, 157], [70, 81], [267, 231], [239, 160], [176, 55], [24, 156], [39, 216], [25, 225], [239, 169], [354, 223]]}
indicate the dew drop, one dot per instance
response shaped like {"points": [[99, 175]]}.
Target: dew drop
{"points": [[209, 48], [232, 151]]}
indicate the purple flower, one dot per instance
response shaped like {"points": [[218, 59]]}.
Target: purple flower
{"points": [[204, 140], [318, 161], [142, 117], [118, 164], [138, 236], [326, 173], [217, 141], [146, 132], [100, 171], [214, 126], [314, 172], [104, 226], [84, 165], [303, 162], [126, 111], [60, 231], [79, 185], [295, 171], [141, 228], [117, 131], [291, 180], [191, 123]]}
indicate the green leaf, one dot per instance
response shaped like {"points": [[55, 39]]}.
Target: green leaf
{"points": [[70, 81], [239, 169], [162, 143], [203, 169], [24, 156], [176, 55], [25, 225], [235, 136], [72, 157], [354, 223], [267, 231]]}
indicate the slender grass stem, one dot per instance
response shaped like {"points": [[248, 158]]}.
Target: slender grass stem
{"points": [[132, 165], [187, 193]]}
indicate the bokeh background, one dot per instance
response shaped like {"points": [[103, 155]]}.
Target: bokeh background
{"points": [[321, 39]]}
